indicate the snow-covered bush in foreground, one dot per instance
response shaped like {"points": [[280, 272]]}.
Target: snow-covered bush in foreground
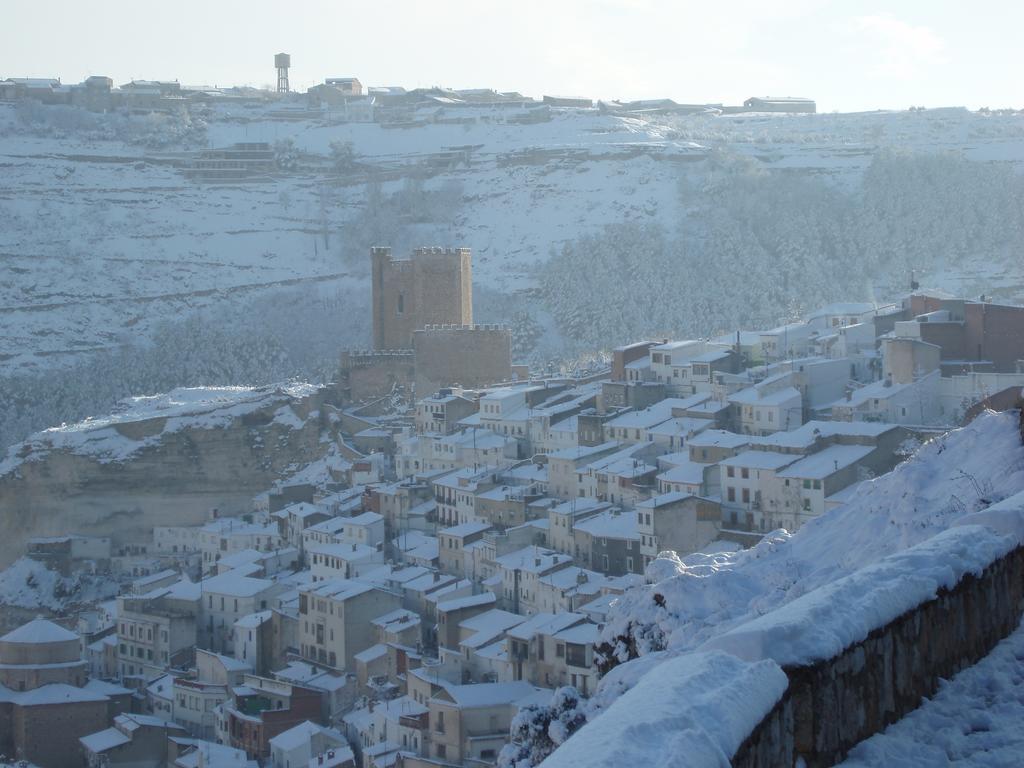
{"points": [[537, 730], [704, 596]]}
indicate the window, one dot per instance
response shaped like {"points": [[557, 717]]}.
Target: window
{"points": [[604, 562], [730, 472], [745, 473], [746, 495], [401, 303], [731, 494], [629, 564], [560, 650]]}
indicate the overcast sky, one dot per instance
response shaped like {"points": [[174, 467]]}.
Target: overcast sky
{"points": [[848, 55]]}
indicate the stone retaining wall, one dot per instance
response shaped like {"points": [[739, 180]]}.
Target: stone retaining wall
{"points": [[834, 704]]}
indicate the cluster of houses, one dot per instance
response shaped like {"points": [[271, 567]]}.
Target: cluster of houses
{"points": [[399, 601], [347, 99]]}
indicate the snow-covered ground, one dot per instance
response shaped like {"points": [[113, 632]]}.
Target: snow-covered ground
{"points": [[107, 249], [976, 720], [103, 241], [29, 584]]}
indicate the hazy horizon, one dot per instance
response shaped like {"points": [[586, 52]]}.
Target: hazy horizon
{"points": [[877, 56]]}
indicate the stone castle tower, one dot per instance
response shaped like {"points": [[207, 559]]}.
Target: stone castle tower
{"points": [[432, 287]]}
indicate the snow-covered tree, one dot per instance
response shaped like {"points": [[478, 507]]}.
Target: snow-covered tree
{"points": [[538, 729]]}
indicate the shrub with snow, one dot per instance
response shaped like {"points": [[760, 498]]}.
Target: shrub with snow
{"points": [[537, 730]]}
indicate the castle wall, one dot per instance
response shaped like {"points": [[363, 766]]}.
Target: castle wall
{"points": [[468, 355]]}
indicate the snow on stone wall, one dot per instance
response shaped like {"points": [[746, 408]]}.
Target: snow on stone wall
{"points": [[696, 711]]}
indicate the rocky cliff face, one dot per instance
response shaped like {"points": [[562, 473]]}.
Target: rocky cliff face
{"points": [[163, 461]]}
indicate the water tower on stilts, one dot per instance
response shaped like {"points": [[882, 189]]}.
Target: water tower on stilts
{"points": [[282, 61]]}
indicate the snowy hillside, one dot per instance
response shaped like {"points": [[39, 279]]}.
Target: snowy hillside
{"points": [[702, 597], [118, 276]]}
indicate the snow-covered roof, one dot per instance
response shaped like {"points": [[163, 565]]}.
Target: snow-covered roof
{"points": [[465, 529], [340, 589], [486, 694], [366, 518], [233, 585], [532, 559], [690, 473], [487, 626], [254, 620], [296, 736], [545, 623], [719, 438], [611, 524], [820, 465], [754, 396], [759, 460], [39, 631], [584, 634], [469, 601], [104, 740], [398, 618], [583, 451]]}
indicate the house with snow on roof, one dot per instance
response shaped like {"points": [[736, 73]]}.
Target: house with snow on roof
{"points": [[158, 629], [296, 518], [343, 560], [745, 479], [609, 542], [563, 464], [565, 589], [623, 478], [520, 573], [678, 521], [769, 406], [440, 412], [563, 518], [335, 620], [228, 535], [470, 723], [785, 341], [227, 598], [302, 744], [808, 482], [916, 402], [262, 708], [538, 655], [453, 541], [132, 740], [679, 473]]}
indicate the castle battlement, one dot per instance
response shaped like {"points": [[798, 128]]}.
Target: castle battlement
{"points": [[475, 328], [434, 286]]}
